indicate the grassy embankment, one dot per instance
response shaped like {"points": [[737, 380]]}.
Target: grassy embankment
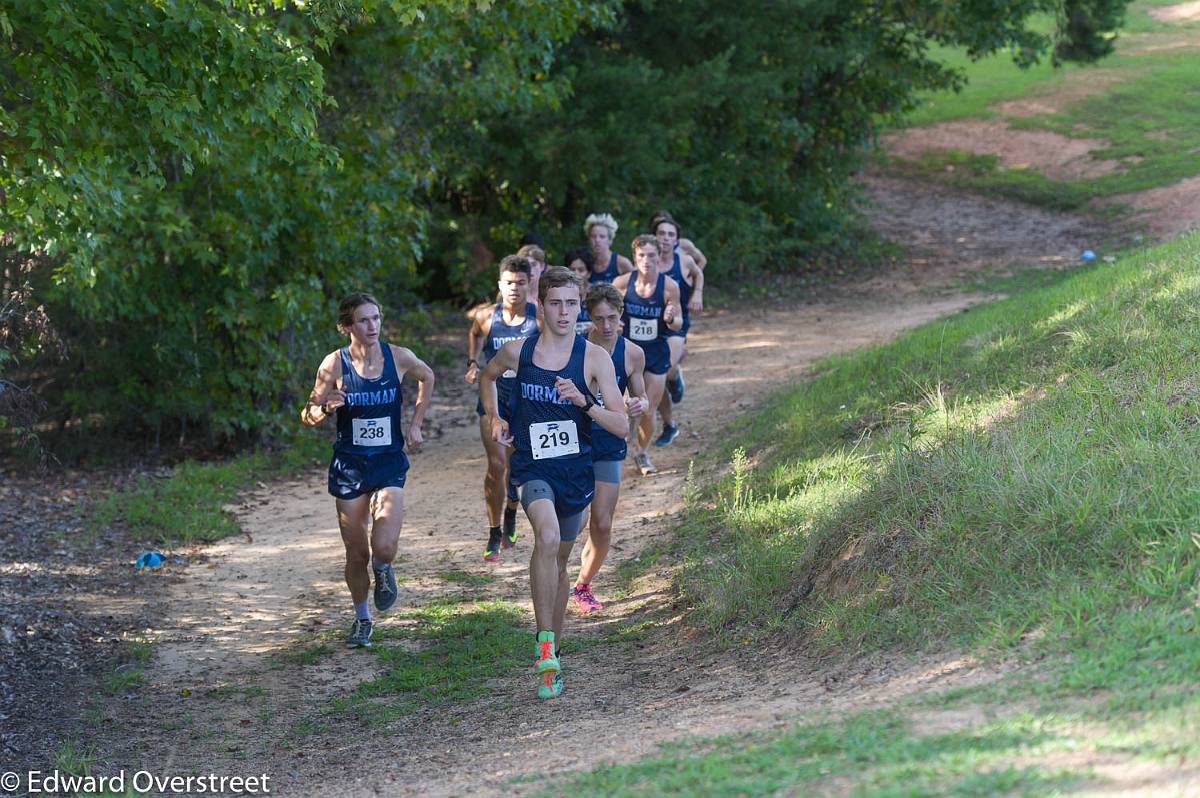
{"points": [[1140, 100], [1022, 480]]}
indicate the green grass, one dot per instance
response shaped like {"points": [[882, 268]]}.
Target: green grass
{"points": [[470, 579], [1144, 109], [447, 652], [1020, 480], [188, 504]]}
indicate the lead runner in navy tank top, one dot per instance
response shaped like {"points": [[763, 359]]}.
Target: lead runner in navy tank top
{"points": [[499, 334], [644, 324], [541, 434]]}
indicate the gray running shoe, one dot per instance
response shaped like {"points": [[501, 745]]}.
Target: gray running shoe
{"points": [[360, 634], [644, 465], [386, 591]]}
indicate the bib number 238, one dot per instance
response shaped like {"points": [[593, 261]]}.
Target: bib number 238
{"points": [[372, 431], [553, 439], [643, 329]]}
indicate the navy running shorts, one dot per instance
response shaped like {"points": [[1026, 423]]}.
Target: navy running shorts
{"points": [[569, 526], [658, 356], [354, 475]]}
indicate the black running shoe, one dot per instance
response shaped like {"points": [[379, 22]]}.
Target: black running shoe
{"points": [[510, 527], [360, 634], [492, 552], [386, 591]]}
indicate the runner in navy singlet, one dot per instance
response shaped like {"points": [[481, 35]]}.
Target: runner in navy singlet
{"points": [[549, 425], [361, 384], [691, 287], [651, 312], [601, 231], [511, 319], [537, 263], [685, 245], [580, 260], [606, 304]]}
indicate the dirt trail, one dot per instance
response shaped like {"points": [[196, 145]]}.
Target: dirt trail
{"points": [[228, 699]]}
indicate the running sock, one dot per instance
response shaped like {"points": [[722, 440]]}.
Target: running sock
{"points": [[362, 609], [493, 536], [543, 636], [376, 562]]}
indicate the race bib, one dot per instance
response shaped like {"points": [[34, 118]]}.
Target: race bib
{"points": [[553, 439], [508, 375], [372, 431], [643, 329]]}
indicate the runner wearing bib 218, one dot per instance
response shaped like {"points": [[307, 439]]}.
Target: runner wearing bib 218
{"points": [[651, 313]]}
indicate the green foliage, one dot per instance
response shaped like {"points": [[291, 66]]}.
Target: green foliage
{"points": [[1023, 470], [197, 181]]}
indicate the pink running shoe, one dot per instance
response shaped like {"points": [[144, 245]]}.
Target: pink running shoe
{"points": [[584, 599]]}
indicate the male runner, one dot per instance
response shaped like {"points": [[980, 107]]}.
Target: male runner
{"points": [[549, 426], [605, 305], [684, 244], [537, 263], [513, 318], [361, 383], [580, 260], [651, 312], [601, 230], [690, 278]]}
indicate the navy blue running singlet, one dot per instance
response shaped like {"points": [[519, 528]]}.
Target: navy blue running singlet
{"points": [[644, 325], [370, 421], [609, 274], [499, 334], [685, 294], [552, 438], [605, 445]]}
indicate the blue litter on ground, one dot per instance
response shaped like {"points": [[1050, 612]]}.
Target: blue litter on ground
{"points": [[149, 559], [1088, 255]]}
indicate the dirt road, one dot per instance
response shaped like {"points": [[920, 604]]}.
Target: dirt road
{"points": [[226, 697]]}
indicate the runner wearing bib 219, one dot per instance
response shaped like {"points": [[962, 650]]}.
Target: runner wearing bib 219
{"points": [[549, 425]]}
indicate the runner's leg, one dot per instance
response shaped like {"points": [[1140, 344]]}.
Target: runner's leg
{"points": [[353, 517], [654, 392], [387, 509], [495, 481], [544, 569], [599, 531]]}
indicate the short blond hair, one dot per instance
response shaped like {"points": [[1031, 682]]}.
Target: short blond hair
{"points": [[643, 240], [604, 220], [558, 277]]}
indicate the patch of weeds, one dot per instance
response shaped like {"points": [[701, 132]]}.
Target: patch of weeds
{"points": [[307, 727], [465, 645], [75, 758], [468, 578], [121, 679], [308, 655], [188, 503]]}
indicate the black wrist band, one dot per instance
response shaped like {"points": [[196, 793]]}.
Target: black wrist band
{"points": [[589, 404]]}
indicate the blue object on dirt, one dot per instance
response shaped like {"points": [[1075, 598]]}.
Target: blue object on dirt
{"points": [[149, 559], [1088, 255]]}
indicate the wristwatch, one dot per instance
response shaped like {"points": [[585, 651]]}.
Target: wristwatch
{"points": [[325, 410], [472, 362], [589, 404]]}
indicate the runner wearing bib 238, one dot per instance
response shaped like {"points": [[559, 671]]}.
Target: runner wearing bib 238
{"points": [[549, 425], [361, 384]]}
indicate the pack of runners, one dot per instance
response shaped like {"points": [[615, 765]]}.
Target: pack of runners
{"points": [[570, 362]]}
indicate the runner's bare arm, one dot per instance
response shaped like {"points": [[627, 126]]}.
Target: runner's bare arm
{"points": [[325, 397], [475, 336], [598, 369], [408, 363], [507, 358], [696, 303], [672, 313], [635, 364], [621, 281], [690, 248], [624, 265]]}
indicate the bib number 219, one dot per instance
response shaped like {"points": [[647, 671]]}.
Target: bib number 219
{"points": [[553, 439]]}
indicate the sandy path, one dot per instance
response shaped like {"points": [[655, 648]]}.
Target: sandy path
{"points": [[228, 699]]}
